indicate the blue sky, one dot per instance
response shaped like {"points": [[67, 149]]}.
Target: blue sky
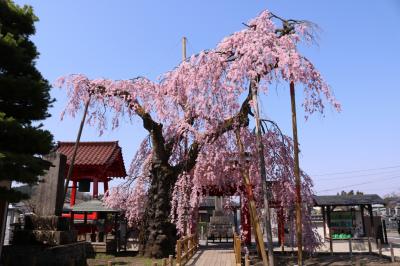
{"points": [[358, 54]]}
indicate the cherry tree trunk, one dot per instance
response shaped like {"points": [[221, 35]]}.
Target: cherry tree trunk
{"points": [[161, 234]]}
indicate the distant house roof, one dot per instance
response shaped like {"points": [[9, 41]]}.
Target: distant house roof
{"points": [[347, 200], [95, 158], [94, 205]]}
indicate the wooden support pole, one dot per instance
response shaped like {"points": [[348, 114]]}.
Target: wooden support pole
{"points": [[246, 260], [392, 253], [251, 201], [178, 253], [155, 263], [171, 260], [78, 138], [299, 225], [324, 222], [384, 232], [371, 218], [105, 183], [263, 174], [328, 214], [165, 262], [362, 219], [380, 247], [95, 188], [186, 245], [350, 248], [369, 245]]}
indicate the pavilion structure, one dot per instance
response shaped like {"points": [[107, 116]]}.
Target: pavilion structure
{"points": [[348, 221], [95, 162]]}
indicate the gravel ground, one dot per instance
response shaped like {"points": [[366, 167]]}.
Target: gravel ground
{"points": [[336, 260]]}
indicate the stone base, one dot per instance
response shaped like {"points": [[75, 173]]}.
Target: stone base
{"points": [[44, 237], [52, 223], [64, 255]]}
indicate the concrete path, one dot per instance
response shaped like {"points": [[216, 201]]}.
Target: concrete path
{"points": [[218, 255]]}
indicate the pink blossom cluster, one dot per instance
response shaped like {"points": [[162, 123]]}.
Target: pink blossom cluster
{"points": [[132, 200], [131, 196]]}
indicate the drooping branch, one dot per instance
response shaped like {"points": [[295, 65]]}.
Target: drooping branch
{"points": [[154, 128], [240, 119]]}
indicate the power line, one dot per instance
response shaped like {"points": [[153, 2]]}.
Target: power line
{"points": [[358, 176], [357, 171], [359, 184]]}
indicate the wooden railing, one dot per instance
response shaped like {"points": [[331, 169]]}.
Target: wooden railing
{"points": [[186, 247], [237, 248]]}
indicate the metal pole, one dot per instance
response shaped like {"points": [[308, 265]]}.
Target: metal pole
{"points": [[78, 138], [263, 175], [299, 235]]}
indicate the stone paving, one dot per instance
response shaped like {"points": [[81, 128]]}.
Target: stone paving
{"points": [[214, 255]]}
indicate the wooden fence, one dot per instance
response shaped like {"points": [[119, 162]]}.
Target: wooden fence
{"points": [[186, 247], [238, 249]]}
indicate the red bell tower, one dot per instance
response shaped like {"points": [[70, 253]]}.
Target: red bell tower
{"points": [[95, 162]]}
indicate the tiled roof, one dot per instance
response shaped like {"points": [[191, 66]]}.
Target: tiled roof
{"points": [[348, 200], [106, 154], [94, 205]]}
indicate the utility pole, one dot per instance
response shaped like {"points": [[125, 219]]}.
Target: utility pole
{"points": [[299, 237], [263, 175], [186, 222], [184, 40], [78, 138]]}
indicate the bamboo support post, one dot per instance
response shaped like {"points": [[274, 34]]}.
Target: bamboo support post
{"points": [[263, 174], [171, 260], [178, 253], [78, 138], [186, 245], [237, 249], [251, 201]]}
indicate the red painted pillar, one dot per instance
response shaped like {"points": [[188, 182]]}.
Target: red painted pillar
{"points": [[245, 221], [105, 186], [279, 229], [95, 188], [281, 226], [73, 194]]}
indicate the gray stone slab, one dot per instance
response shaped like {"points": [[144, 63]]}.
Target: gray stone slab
{"points": [[48, 197]]}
